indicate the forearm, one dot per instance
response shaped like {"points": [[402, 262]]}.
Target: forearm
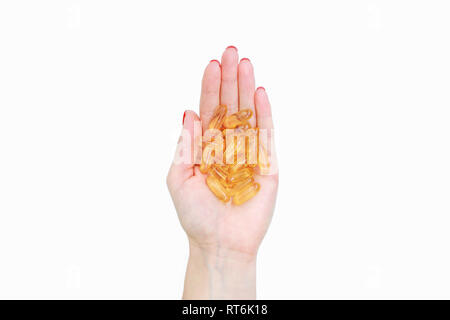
{"points": [[219, 274]]}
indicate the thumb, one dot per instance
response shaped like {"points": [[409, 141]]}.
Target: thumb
{"points": [[186, 155]]}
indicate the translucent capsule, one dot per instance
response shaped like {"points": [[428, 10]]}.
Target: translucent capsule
{"points": [[231, 122], [244, 114], [238, 187], [238, 119], [246, 193], [221, 173], [218, 117], [240, 175], [245, 125], [236, 167], [217, 188]]}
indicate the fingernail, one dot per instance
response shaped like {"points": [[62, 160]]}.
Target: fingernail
{"points": [[232, 47], [245, 59], [184, 116], [261, 88], [215, 61]]}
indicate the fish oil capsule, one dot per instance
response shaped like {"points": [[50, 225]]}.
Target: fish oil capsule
{"points": [[244, 114], [240, 175], [231, 122], [246, 193], [221, 173], [218, 117], [217, 188], [238, 119], [234, 168], [238, 187], [244, 125]]}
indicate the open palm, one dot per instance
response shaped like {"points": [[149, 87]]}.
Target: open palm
{"points": [[208, 222]]}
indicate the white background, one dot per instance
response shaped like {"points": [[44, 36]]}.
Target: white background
{"points": [[92, 95]]}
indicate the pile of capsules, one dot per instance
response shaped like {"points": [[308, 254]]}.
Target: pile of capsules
{"points": [[233, 176]]}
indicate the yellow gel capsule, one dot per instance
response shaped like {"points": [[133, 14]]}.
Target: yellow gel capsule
{"points": [[244, 114], [240, 175], [239, 186], [231, 122], [238, 119], [245, 125], [218, 117], [246, 193], [204, 168], [217, 188], [234, 168], [221, 173]]}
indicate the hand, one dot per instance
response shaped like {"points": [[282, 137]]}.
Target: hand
{"points": [[223, 238]]}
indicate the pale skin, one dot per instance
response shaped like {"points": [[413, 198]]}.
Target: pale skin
{"points": [[223, 238]]}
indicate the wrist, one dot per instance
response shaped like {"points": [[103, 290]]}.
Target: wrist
{"points": [[213, 252], [219, 273]]}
